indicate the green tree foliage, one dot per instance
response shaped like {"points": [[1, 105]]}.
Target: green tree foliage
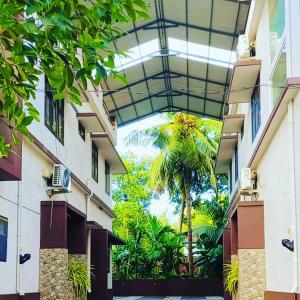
{"points": [[209, 254], [44, 37], [131, 195], [134, 185], [152, 250], [188, 146]]}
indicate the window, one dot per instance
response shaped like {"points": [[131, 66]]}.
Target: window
{"points": [[279, 76], [3, 238], [81, 131], [255, 109], [107, 178], [242, 131], [54, 113], [230, 177], [236, 163], [276, 24], [94, 162]]}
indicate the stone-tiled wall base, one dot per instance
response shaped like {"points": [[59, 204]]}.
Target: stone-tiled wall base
{"points": [[54, 283], [53, 274], [252, 274]]}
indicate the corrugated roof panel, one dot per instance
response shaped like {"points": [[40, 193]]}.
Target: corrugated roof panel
{"points": [[221, 41], [215, 91], [187, 35], [196, 104], [122, 98], [198, 36], [139, 91], [213, 109], [199, 8], [224, 15], [217, 74], [159, 102], [143, 108], [127, 113], [174, 9], [180, 102]]}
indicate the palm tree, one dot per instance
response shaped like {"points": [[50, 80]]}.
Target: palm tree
{"points": [[187, 150], [208, 231]]}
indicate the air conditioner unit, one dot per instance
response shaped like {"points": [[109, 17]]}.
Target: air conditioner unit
{"points": [[61, 178], [242, 48], [246, 179]]}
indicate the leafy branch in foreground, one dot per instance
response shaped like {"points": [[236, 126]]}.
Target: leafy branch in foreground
{"points": [[44, 37]]}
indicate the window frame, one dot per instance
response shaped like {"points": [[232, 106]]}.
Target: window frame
{"points": [[230, 178], [281, 40], [81, 130], [107, 172], [95, 162], [54, 111], [3, 240], [255, 109], [236, 163]]}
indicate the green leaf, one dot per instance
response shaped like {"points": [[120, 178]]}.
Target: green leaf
{"points": [[68, 74], [75, 99], [27, 121], [80, 73]]}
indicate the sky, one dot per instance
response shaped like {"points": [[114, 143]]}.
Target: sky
{"points": [[161, 205]]}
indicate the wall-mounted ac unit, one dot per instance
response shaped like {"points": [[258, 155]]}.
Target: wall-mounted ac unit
{"points": [[246, 179], [61, 178], [242, 48]]}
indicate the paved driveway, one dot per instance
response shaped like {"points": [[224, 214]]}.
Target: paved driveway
{"points": [[167, 298]]}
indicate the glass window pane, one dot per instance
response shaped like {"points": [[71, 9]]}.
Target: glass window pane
{"points": [[279, 77], [276, 24], [54, 113]]}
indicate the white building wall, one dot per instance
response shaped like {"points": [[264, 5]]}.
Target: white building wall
{"points": [[274, 178], [76, 155], [274, 168]]}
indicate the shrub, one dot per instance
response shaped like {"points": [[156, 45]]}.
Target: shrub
{"points": [[231, 276], [78, 273]]}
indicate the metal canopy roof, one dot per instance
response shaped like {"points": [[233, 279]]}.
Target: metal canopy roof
{"points": [[179, 60]]}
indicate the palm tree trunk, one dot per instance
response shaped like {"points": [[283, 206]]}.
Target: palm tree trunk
{"points": [[182, 207], [189, 224]]}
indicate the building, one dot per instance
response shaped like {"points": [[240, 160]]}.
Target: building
{"points": [[261, 132], [55, 229]]}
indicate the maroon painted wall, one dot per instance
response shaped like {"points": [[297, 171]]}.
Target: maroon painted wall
{"points": [[53, 233], [67, 229], [251, 225], [99, 261], [10, 167], [28, 296], [171, 287], [76, 233]]}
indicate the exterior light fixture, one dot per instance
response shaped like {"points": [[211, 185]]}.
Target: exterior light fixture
{"points": [[24, 258], [288, 244]]}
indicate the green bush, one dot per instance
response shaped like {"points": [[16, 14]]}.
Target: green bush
{"points": [[231, 276], [78, 273]]}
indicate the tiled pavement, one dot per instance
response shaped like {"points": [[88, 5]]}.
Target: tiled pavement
{"points": [[167, 298]]}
